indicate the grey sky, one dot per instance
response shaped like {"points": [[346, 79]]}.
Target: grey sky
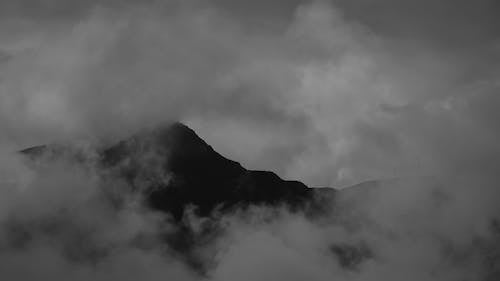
{"points": [[328, 92], [317, 71]]}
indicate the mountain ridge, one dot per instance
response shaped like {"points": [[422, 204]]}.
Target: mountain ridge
{"points": [[179, 169]]}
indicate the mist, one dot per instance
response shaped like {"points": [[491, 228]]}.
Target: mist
{"points": [[394, 104]]}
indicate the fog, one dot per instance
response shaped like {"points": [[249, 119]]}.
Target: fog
{"points": [[332, 93]]}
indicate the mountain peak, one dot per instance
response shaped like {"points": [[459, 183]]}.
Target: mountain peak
{"points": [[174, 170], [196, 174]]}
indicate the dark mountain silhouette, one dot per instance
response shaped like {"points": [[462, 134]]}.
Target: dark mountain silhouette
{"points": [[175, 169]]}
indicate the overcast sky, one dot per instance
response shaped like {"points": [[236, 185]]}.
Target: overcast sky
{"points": [[331, 93], [321, 91]]}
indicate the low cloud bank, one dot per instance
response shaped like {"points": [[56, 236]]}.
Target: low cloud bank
{"points": [[65, 219]]}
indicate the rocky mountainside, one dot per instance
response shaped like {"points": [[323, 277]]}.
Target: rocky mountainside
{"points": [[175, 169]]}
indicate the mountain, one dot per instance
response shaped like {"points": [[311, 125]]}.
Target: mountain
{"points": [[174, 169]]}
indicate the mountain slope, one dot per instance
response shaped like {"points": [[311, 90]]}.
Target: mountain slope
{"points": [[175, 169]]}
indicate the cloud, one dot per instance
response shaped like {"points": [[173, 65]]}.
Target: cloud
{"points": [[344, 95], [61, 219], [331, 94]]}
